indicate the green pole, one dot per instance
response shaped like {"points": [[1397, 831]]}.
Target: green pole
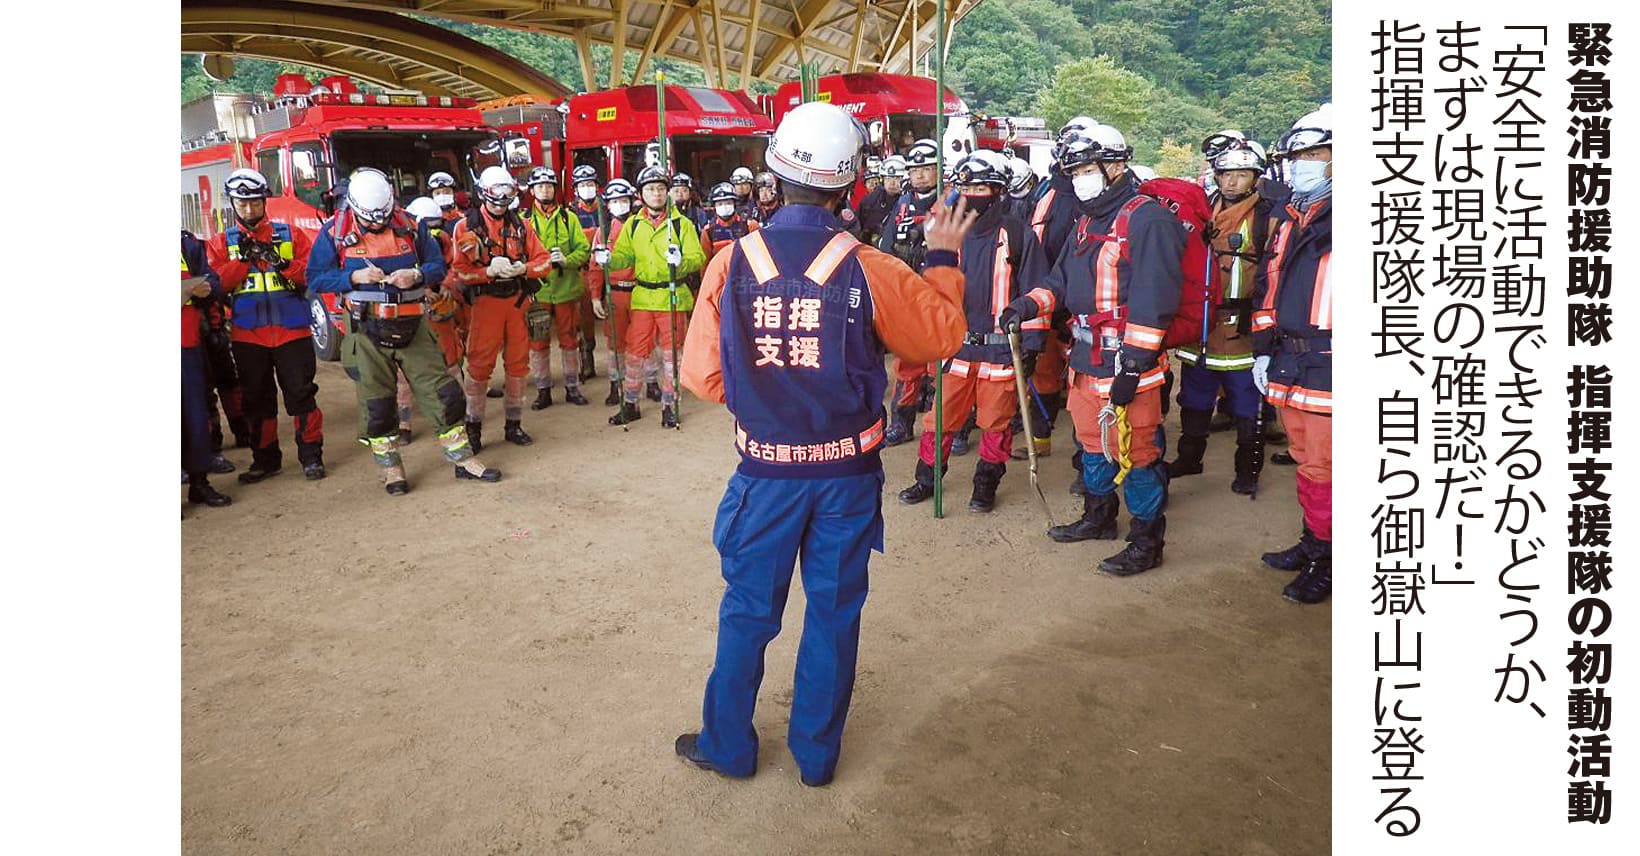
{"points": [[939, 194]]}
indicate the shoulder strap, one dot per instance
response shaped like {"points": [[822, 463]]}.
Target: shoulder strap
{"points": [[1119, 228]]}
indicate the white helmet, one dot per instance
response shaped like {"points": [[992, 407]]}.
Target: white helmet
{"points": [[922, 153], [1077, 123], [1142, 173], [817, 145], [1019, 174], [370, 195], [497, 186], [893, 167], [1245, 156], [440, 180], [424, 208], [246, 184], [741, 175], [1312, 130]]}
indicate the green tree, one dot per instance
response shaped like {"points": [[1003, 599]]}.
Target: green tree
{"points": [[1175, 160], [1099, 88]]}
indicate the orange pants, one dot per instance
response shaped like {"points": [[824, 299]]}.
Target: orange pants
{"points": [[1144, 414], [498, 329], [566, 322], [646, 331], [909, 375], [1309, 441], [616, 327], [1049, 377], [449, 340], [593, 278], [996, 402]]}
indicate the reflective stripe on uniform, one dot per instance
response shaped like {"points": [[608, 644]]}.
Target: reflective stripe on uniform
{"points": [[757, 255]]}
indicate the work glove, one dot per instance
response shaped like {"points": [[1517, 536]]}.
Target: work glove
{"points": [[599, 310], [674, 255], [1015, 314], [514, 270], [1027, 361], [557, 256], [601, 256], [1261, 373], [498, 267], [1125, 385]]}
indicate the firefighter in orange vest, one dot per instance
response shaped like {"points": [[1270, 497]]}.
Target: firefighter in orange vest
{"points": [[1292, 329], [997, 258], [263, 265], [1121, 295], [493, 256]]}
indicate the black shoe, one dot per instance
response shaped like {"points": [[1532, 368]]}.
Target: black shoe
{"points": [[588, 369], [628, 413], [1144, 549], [203, 494], [495, 392], [1284, 459], [398, 488], [688, 748], [652, 390], [543, 399], [614, 399], [573, 395], [514, 434], [221, 466], [1098, 521], [959, 444], [900, 429], [1295, 557], [923, 488], [258, 472], [1313, 584], [1246, 485], [475, 436], [669, 417], [490, 474], [314, 470], [987, 476], [406, 435]]}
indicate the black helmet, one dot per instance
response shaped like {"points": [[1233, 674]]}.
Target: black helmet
{"points": [[682, 179], [541, 175]]}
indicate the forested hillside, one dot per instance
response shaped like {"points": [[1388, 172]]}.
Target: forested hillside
{"points": [[1164, 71]]}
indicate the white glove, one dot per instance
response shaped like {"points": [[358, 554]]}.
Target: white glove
{"points": [[498, 267], [598, 310], [674, 255], [515, 269], [557, 255], [1261, 374], [601, 255]]}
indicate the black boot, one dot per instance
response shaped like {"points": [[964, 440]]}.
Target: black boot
{"points": [[669, 417], [923, 488], [588, 369], [1272, 425], [200, 492], [543, 399], [987, 476], [614, 398], [1294, 557], [1314, 583], [959, 441], [1078, 486], [1249, 457], [514, 434], [652, 390], [1144, 549], [1192, 442], [629, 412], [475, 436], [1098, 521], [572, 394], [260, 470], [495, 392], [900, 429]]}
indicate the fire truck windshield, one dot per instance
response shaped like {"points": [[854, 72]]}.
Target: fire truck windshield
{"points": [[408, 157], [907, 128], [710, 158]]}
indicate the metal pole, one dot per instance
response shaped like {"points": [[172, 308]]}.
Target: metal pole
{"points": [[660, 115], [939, 195]]}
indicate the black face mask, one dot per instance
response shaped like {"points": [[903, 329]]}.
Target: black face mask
{"points": [[979, 204]]}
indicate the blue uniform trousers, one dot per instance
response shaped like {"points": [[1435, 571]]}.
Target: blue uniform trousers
{"points": [[1199, 390], [763, 526], [196, 421]]}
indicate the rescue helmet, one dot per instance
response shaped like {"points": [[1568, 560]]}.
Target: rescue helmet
{"points": [[1019, 174], [982, 167], [584, 172], [723, 191], [1222, 142], [767, 179], [439, 180], [741, 175], [1098, 143], [682, 179], [893, 167], [1312, 130], [541, 175], [652, 175], [1076, 123], [817, 145], [874, 167], [1243, 156], [370, 195], [923, 152], [246, 184], [424, 208], [497, 186], [619, 188], [1142, 173]]}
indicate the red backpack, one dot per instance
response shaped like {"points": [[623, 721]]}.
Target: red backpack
{"points": [[1187, 202]]}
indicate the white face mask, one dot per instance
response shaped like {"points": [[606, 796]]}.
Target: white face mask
{"points": [[1307, 175], [1088, 186], [726, 209], [445, 200], [587, 192], [620, 208]]}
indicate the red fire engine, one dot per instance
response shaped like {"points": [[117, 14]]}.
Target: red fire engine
{"points": [[1025, 137], [896, 109], [310, 136], [709, 131]]}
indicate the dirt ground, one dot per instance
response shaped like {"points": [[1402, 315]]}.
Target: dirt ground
{"points": [[500, 669]]}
